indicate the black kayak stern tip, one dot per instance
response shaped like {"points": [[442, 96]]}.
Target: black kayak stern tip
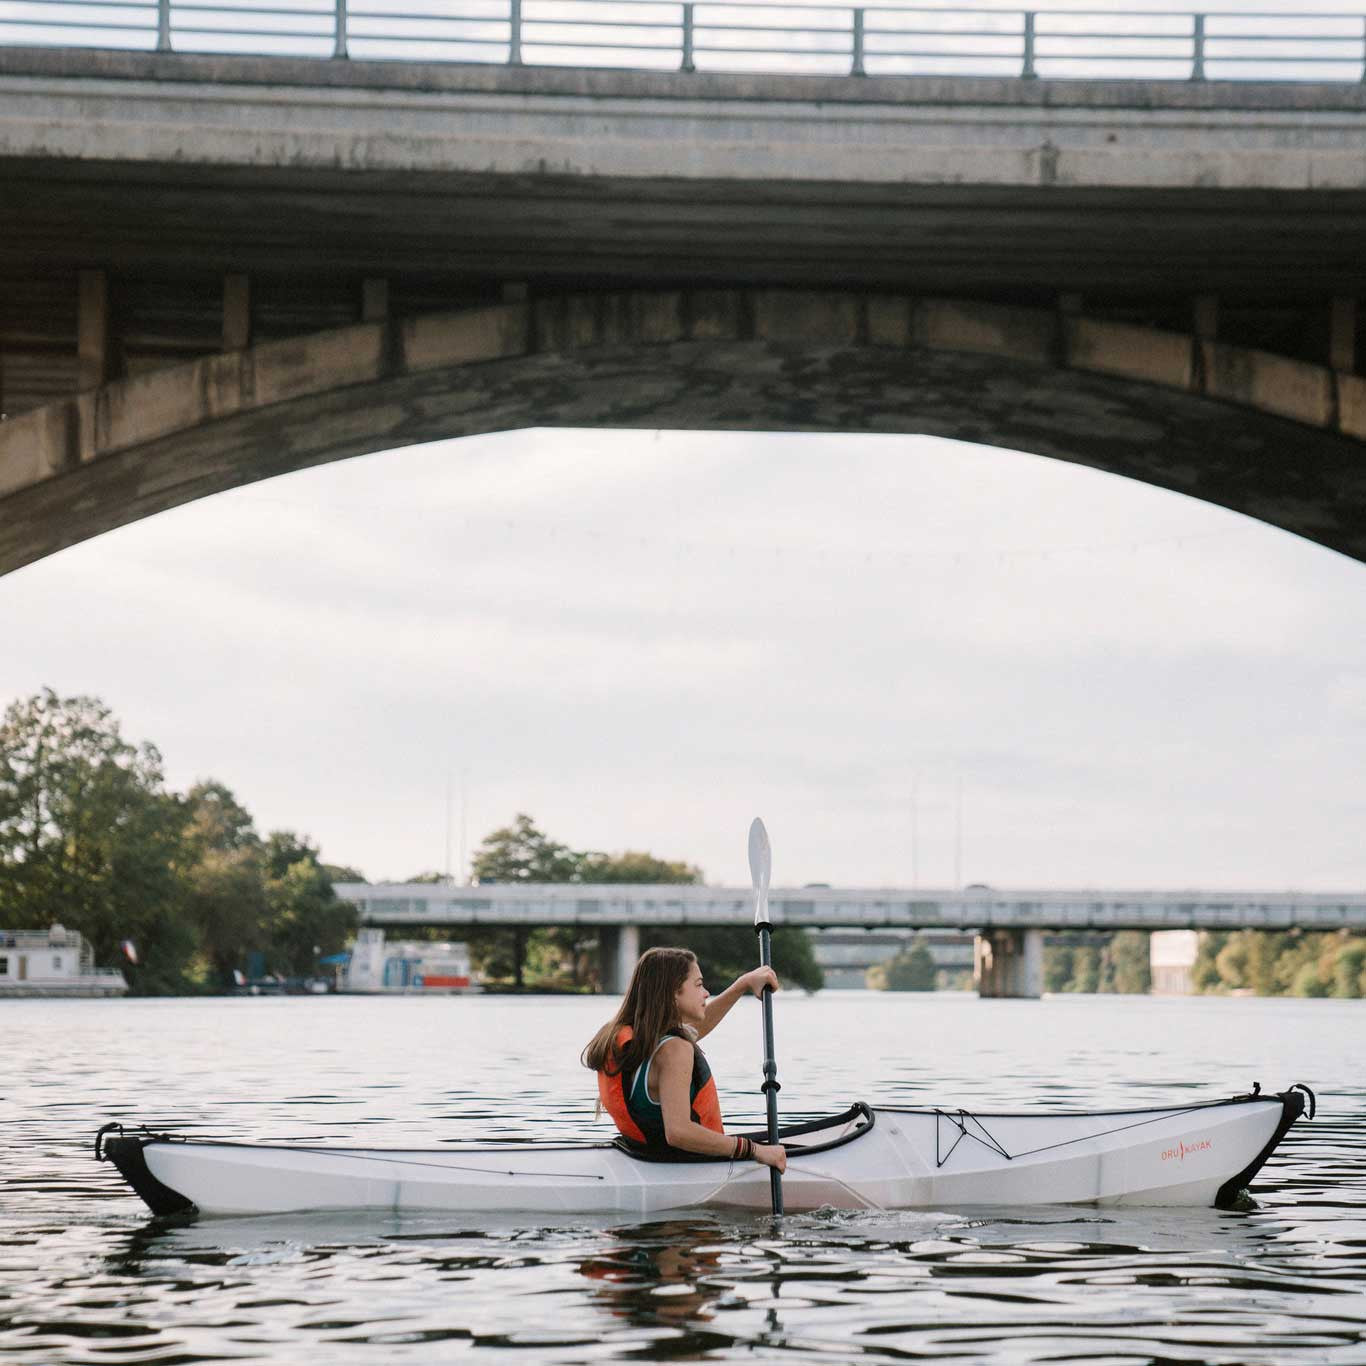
{"points": [[126, 1154]]}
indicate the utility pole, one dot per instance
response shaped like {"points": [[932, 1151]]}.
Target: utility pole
{"points": [[915, 831], [958, 836]]}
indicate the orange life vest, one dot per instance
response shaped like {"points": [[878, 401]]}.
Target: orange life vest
{"points": [[615, 1097]]}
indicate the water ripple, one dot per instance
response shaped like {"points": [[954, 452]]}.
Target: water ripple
{"points": [[85, 1278]]}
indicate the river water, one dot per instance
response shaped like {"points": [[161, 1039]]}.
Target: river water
{"points": [[85, 1277]]}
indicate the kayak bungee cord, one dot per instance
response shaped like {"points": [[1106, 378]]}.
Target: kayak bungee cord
{"points": [[760, 867], [960, 1118]]}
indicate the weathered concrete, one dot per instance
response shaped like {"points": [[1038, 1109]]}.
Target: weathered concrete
{"points": [[618, 948], [752, 131], [214, 269], [1009, 963], [144, 161], [1277, 439], [666, 904]]}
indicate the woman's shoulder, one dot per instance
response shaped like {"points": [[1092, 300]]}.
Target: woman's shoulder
{"points": [[674, 1046]]}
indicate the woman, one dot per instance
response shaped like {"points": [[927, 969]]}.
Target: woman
{"points": [[652, 1078]]}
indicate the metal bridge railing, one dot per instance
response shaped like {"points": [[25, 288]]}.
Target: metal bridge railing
{"points": [[711, 35]]}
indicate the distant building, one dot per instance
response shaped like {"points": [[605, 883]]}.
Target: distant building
{"points": [[407, 966], [1171, 958], [53, 962]]}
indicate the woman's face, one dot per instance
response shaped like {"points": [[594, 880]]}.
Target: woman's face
{"points": [[691, 998]]}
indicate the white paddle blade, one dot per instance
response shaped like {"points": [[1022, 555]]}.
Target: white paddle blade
{"points": [[760, 867]]}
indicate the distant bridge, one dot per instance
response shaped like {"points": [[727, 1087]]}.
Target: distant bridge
{"points": [[1009, 925]]}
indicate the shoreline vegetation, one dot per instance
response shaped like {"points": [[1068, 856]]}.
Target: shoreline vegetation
{"points": [[187, 897]]}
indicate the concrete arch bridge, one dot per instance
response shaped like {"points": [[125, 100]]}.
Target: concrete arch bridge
{"points": [[215, 270]]}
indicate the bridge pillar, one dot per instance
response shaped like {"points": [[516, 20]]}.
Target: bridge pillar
{"points": [[619, 946], [1009, 963]]}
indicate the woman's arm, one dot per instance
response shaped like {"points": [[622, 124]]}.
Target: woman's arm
{"points": [[673, 1066], [718, 1007]]}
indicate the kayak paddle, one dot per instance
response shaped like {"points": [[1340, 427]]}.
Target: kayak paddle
{"points": [[760, 866]]}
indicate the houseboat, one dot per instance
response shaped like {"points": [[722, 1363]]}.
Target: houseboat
{"points": [[407, 967], [53, 962]]}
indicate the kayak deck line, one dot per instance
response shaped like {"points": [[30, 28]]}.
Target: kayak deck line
{"points": [[960, 1119], [1195, 1153]]}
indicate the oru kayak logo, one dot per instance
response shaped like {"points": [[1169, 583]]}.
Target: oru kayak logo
{"points": [[1178, 1153]]}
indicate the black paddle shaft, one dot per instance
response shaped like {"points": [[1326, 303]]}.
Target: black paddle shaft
{"points": [[771, 1086]]}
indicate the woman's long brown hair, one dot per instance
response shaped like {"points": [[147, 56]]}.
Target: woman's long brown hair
{"points": [[648, 1007]]}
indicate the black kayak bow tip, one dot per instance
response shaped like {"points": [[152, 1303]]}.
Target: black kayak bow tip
{"points": [[1234, 1194]]}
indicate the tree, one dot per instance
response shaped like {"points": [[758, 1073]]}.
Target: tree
{"points": [[1350, 968], [1205, 973], [1086, 970], [226, 900], [521, 853], [89, 836], [217, 821], [306, 917], [225, 879], [1057, 967], [726, 952], [1130, 958], [634, 867], [340, 872], [911, 970]]}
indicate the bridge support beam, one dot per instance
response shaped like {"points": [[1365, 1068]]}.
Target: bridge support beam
{"points": [[619, 946], [1009, 963]]}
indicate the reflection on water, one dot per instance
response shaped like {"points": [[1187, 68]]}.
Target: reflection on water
{"points": [[665, 1272], [85, 1277]]}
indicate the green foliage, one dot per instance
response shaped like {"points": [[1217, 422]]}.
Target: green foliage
{"points": [[307, 919], [634, 867], [226, 901], [1307, 982], [340, 872], [726, 952], [1058, 967], [1349, 968], [911, 970], [1100, 963], [1275, 963], [565, 958], [90, 838], [1205, 973], [1086, 970], [521, 853], [1129, 958]]}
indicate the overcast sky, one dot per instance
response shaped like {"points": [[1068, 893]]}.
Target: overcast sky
{"points": [[645, 639]]}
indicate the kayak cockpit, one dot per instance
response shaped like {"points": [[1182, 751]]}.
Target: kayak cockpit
{"points": [[813, 1136]]}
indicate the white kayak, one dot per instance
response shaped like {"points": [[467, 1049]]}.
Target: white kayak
{"points": [[865, 1158]]}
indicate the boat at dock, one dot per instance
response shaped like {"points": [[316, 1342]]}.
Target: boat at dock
{"points": [[406, 967], [864, 1158], [53, 962]]}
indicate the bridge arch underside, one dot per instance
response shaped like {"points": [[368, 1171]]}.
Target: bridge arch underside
{"points": [[1302, 478]]}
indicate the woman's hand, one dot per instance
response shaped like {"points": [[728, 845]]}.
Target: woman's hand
{"points": [[760, 978], [771, 1155]]}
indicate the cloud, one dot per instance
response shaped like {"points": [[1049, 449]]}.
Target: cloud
{"points": [[644, 638]]}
